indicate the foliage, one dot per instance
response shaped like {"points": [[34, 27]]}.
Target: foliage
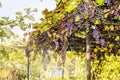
{"points": [[64, 29], [16, 66], [12, 64], [6, 24], [107, 69]]}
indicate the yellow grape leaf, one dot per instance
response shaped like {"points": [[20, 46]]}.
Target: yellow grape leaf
{"points": [[54, 35], [119, 17], [71, 6], [98, 48], [57, 36], [45, 28], [95, 50], [96, 22], [106, 15], [101, 49], [85, 15], [44, 12], [118, 51], [61, 16], [117, 38], [105, 49], [110, 49], [63, 31], [79, 0], [5, 71], [77, 18], [106, 28], [49, 21], [111, 45], [55, 18], [58, 1], [70, 54], [100, 2], [80, 35], [49, 34], [111, 28]]}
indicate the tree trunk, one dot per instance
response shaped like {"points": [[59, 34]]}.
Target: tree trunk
{"points": [[88, 55]]}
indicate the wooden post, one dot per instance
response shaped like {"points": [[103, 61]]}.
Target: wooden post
{"points": [[88, 55], [28, 65], [27, 51], [28, 69]]}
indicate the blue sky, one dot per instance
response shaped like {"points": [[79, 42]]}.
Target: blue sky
{"points": [[10, 7]]}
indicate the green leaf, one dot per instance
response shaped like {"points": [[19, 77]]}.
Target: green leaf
{"points": [[77, 18], [55, 18], [45, 28], [100, 2], [5, 18], [64, 0], [95, 50], [97, 22], [71, 54], [27, 10], [29, 17], [81, 35], [13, 24], [18, 13], [34, 10], [9, 33], [5, 54], [71, 6], [117, 38], [106, 28], [57, 1]]}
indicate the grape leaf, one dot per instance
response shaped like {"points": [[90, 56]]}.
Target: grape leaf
{"points": [[27, 10], [57, 1], [117, 38], [77, 19], [18, 13], [34, 10], [55, 18], [29, 17], [100, 2], [96, 22], [71, 6], [5, 54], [95, 50], [5, 18]]}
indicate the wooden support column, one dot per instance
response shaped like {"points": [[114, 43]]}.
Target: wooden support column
{"points": [[28, 59], [88, 55]]}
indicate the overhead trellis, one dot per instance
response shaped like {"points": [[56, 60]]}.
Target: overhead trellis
{"points": [[66, 26]]}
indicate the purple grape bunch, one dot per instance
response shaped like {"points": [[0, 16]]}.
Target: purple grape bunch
{"points": [[96, 35], [102, 42], [70, 26]]}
